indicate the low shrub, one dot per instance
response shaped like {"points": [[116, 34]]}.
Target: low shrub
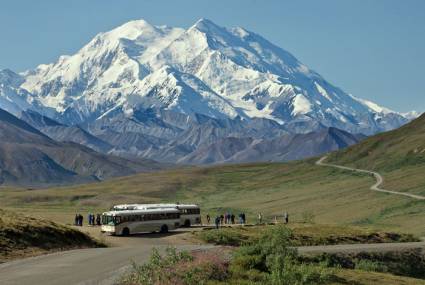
{"points": [[372, 266], [272, 260], [177, 268], [299, 274]]}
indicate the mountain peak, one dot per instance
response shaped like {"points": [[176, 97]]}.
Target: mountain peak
{"points": [[136, 24], [204, 22], [132, 30], [205, 25]]}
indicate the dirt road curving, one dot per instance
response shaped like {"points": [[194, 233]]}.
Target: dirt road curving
{"points": [[378, 177], [96, 265], [83, 266]]}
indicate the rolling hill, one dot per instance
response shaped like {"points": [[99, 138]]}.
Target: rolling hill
{"points": [[22, 236], [399, 155]]}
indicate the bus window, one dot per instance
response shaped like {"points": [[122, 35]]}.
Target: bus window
{"points": [[172, 216], [108, 220], [192, 211]]}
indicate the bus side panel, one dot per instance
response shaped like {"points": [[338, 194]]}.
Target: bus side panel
{"points": [[194, 219]]}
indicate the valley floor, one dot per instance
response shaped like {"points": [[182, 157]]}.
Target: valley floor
{"points": [[304, 190]]}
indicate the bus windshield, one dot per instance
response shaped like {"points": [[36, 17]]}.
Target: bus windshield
{"points": [[110, 220]]}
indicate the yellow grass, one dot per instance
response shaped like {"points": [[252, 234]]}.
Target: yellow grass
{"points": [[327, 196]]}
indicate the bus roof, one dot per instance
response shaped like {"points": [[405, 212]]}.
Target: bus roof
{"points": [[141, 211], [153, 206]]}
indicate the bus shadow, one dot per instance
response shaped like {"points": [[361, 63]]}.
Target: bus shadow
{"points": [[157, 234]]}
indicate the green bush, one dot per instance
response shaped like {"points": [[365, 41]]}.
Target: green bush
{"points": [[299, 274], [156, 270], [177, 268], [272, 260], [268, 259], [272, 243], [369, 265]]}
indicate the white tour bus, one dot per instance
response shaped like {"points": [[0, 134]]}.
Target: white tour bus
{"points": [[190, 214], [126, 222]]}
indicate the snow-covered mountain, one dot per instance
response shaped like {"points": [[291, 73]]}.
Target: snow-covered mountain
{"points": [[206, 69], [163, 93], [13, 98]]}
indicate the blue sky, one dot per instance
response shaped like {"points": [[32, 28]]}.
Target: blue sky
{"points": [[372, 49]]}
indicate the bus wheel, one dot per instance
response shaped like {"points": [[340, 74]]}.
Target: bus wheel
{"points": [[126, 232], [164, 229], [187, 223]]}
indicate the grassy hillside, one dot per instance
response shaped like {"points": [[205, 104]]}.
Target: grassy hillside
{"points": [[26, 236], [306, 191], [398, 155]]}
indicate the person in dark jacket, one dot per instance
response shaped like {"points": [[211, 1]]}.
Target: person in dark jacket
{"points": [[89, 219], [217, 222], [98, 220], [76, 223], [80, 220]]}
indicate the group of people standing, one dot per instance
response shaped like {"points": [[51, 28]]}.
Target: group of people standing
{"points": [[79, 220], [94, 220], [227, 218]]}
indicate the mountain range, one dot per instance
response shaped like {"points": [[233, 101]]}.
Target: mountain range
{"points": [[29, 157], [206, 94]]}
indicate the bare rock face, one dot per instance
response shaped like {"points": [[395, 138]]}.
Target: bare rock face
{"points": [[29, 157]]}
